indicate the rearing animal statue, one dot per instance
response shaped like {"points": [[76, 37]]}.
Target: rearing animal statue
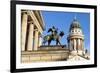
{"points": [[54, 36]]}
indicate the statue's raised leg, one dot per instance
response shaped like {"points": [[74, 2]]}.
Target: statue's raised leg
{"points": [[59, 43]]}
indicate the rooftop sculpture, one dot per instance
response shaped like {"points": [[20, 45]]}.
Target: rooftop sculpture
{"points": [[54, 36]]}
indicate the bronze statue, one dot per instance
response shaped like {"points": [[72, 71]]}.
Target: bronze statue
{"points": [[53, 36], [53, 31]]}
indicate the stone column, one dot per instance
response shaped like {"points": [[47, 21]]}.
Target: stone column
{"points": [[36, 40], [78, 44], [70, 44], [74, 44], [82, 44], [30, 37], [23, 30]]}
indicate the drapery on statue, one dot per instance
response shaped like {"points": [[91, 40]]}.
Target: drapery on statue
{"points": [[54, 36]]}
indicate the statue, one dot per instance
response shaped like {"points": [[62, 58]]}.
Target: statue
{"points": [[53, 30], [54, 36]]}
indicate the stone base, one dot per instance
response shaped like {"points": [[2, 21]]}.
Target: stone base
{"points": [[75, 52], [52, 53], [44, 56], [78, 54], [53, 47]]}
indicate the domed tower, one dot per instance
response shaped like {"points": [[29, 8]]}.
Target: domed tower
{"points": [[75, 37]]}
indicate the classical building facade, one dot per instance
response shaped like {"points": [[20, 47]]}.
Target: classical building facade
{"points": [[75, 37], [32, 26], [32, 50]]}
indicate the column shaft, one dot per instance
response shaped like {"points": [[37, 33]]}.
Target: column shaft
{"points": [[74, 44], [70, 45], [30, 37], [82, 44], [78, 44], [23, 31], [36, 40]]}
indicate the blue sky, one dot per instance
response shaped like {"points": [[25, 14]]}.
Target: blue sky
{"points": [[62, 21]]}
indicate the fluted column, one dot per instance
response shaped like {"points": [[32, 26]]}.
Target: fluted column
{"points": [[78, 44], [82, 44], [36, 40], [74, 44], [70, 45], [24, 30], [30, 37]]}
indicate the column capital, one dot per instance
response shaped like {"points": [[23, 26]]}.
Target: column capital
{"points": [[36, 30], [24, 12], [31, 22]]}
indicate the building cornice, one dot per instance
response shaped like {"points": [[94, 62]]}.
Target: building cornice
{"points": [[40, 18]]}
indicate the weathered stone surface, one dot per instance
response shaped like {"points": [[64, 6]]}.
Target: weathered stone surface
{"points": [[58, 54], [53, 47], [54, 54]]}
